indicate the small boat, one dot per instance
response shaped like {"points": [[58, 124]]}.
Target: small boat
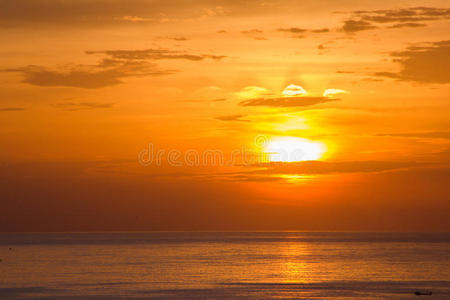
{"points": [[419, 293]]}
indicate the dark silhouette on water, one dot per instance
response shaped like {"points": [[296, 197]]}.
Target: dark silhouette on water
{"points": [[420, 293]]}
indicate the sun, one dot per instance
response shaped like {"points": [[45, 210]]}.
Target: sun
{"points": [[293, 149]]}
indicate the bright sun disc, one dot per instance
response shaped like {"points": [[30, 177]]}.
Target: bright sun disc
{"points": [[292, 149]]}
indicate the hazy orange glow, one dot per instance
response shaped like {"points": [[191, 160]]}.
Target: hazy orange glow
{"points": [[154, 115]]}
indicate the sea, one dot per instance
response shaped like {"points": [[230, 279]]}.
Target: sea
{"points": [[224, 265]]}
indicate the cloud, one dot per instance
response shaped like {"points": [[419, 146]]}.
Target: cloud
{"points": [[254, 34], [109, 71], [134, 19], [402, 17], [295, 30], [322, 30], [351, 26], [299, 32], [252, 31], [409, 24], [174, 38], [293, 96], [411, 14], [294, 90], [286, 101], [333, 92], [232, 118], [72, 106], [426, 64], [5, 109], [106, 73], [179, 38], [154, 54]]}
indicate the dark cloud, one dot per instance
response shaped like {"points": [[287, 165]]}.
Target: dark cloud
{"points": [[300, 32], [412, 14], [174, 38], [232, 118], [72, 106], [181, 38], [106, 73], [286, 101], [109, 71], [426, 64], [154, 54], [323, 30], [41, 76], [5, 109], [295, 30], [404, 17], [255, 34], [392, 19], [251, 31], [351, 26], [409, 24]]}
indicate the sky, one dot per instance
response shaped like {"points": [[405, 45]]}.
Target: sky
{"points": [[224, 115]]}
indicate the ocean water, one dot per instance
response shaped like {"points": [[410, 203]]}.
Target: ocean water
{"points": [[224, 265]]}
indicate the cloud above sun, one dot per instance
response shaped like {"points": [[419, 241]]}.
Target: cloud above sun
{"points": [[293, 96], [294, 90], [333, 92]]}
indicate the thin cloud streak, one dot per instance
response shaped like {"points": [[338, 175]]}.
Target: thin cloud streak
{"points": [[73, 106], [232, 118], [154, 54], [6, 109], [286, 101]]}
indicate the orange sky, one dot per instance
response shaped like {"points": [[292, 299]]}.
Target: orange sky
{"points": [[359, 88]]}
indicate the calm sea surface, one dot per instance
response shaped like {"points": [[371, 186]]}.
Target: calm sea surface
{"points": [[218, 265]]}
